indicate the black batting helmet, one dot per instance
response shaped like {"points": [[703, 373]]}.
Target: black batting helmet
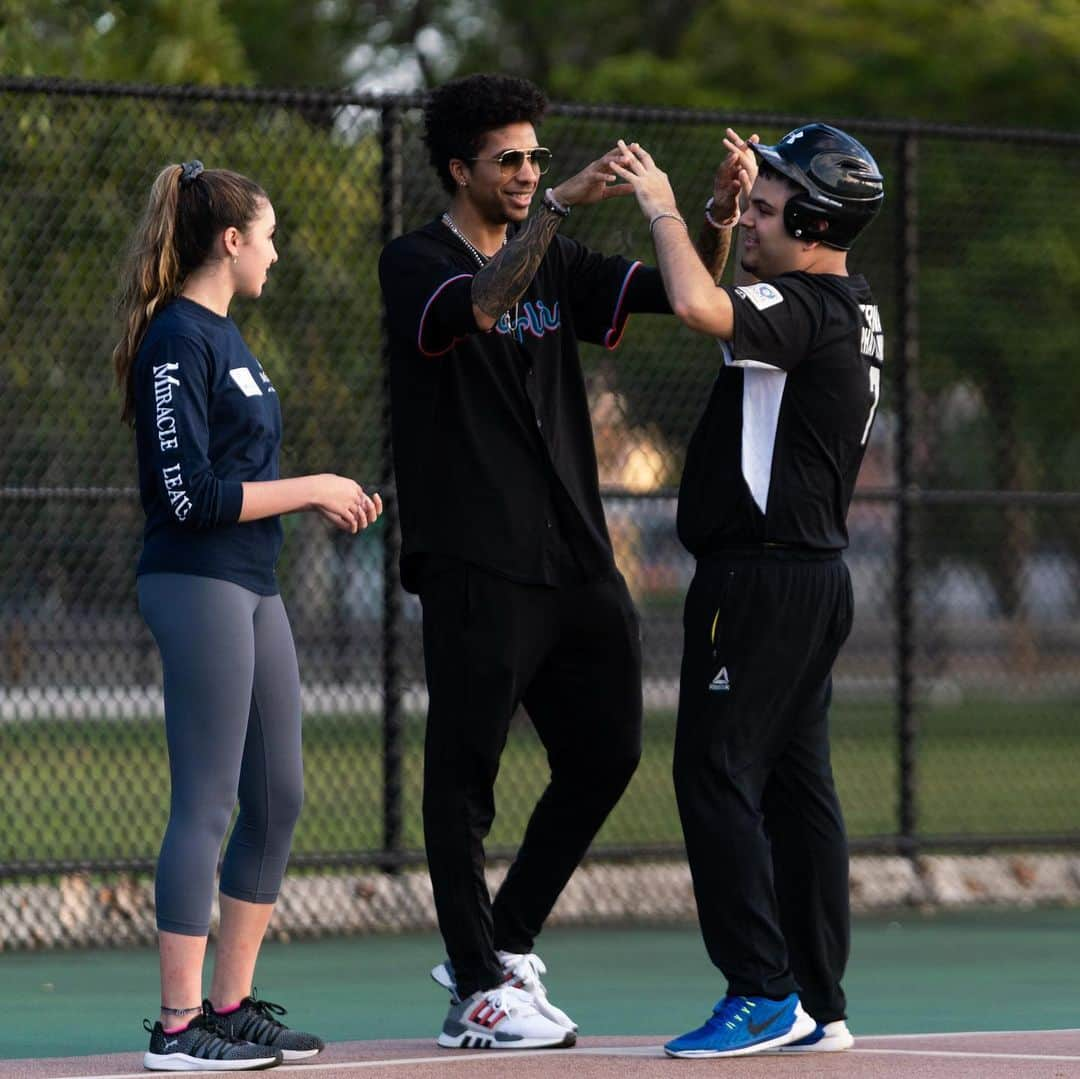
{"points": [[843, 185]]}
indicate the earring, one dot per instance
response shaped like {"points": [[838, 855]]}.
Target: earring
{"points": [[463, 183], [235, 259]]}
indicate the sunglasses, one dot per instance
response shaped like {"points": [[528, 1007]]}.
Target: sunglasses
{"points": [[510, 161]]}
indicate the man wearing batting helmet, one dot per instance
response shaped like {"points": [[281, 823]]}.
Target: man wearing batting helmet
{"points": [[769, 476]]}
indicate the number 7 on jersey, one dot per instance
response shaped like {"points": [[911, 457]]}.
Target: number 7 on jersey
{"points": [[875, 393]]}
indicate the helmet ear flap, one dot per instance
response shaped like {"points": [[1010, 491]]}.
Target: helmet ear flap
{"points": [[803, 221]]}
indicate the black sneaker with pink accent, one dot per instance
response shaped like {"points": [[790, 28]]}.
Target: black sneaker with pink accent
{"points": [[204, 1045], [255, 1021]]}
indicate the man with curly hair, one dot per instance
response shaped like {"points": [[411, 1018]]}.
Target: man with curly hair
{"points": [[504, 535]]}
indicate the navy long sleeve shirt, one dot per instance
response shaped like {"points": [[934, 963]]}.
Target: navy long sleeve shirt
{"points": [[207, 420]]}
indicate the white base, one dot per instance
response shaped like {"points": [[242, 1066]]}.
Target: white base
{"points": [[472, 1040], [181, 1062]]}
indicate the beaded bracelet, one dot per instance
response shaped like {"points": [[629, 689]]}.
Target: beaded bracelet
{"points": [[552, 203], [728, 222]]}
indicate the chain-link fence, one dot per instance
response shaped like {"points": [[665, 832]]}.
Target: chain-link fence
{"points": [[954, 718]]}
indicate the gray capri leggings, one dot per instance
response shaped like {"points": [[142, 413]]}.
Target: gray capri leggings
{"points": [[232, 722]]}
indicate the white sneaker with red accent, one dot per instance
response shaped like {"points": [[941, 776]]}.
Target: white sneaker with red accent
{"points": [[519, 972], [502, 1018], [523, 972]]}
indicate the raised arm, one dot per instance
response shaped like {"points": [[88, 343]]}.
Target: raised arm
{"points": [[714, 247], [690, 286], [747, 174], [732, 182], [504, 279]]}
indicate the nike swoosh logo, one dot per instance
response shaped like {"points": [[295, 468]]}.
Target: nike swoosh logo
{"points": [[757, 1028]]}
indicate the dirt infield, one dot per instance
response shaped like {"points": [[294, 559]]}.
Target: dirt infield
{"points": [[1052, 1054]]}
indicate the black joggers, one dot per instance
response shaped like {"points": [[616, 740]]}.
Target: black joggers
{"points": [[572, 656], [762, 822]]}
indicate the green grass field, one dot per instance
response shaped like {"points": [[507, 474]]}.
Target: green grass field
{"points": [[100, 789]]}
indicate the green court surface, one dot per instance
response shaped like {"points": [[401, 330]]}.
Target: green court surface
{"points": [[980, 970]]}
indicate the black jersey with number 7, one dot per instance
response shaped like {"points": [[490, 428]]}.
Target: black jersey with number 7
{"points": [[775, 456]]}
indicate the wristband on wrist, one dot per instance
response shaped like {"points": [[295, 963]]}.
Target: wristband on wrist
{"points": [[728, 222], [552, 203], [674, 215]]}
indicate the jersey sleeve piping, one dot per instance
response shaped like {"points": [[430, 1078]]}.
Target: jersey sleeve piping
{"points": [[424, 314], [619, 319]]}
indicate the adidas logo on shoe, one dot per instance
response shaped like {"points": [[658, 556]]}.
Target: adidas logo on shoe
{"points": [[501, 1018], [521, 971]]}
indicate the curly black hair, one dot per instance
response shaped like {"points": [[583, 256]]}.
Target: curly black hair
{"points": [[458, 114]]}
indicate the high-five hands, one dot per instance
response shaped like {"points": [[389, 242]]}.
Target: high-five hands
{"points": [[594, 183], [733, 180], [649, 184], [735, 176]]}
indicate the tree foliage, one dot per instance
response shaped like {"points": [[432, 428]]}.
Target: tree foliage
{"points": [[1000, 62], [162, 41]]}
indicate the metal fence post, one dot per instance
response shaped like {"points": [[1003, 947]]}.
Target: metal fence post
{"points": [[393, 734], [908, 267]]}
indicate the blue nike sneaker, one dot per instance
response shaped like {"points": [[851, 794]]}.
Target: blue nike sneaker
{"points": [[741, 1025]]}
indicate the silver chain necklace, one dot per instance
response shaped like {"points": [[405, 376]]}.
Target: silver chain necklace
{"points": [[481, 259], [449, 222]]}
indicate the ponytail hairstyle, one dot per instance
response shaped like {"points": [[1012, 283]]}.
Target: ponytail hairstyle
{"points": [[189, 207]]}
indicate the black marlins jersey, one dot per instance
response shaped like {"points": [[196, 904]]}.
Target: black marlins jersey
{"points": [[493, 447], [775, 456]]}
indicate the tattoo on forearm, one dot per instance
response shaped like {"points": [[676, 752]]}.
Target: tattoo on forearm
{"points": [[503, 280], [714, 246]]}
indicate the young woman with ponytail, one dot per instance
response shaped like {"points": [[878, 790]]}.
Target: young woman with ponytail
{"points": [[207, 431]]}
